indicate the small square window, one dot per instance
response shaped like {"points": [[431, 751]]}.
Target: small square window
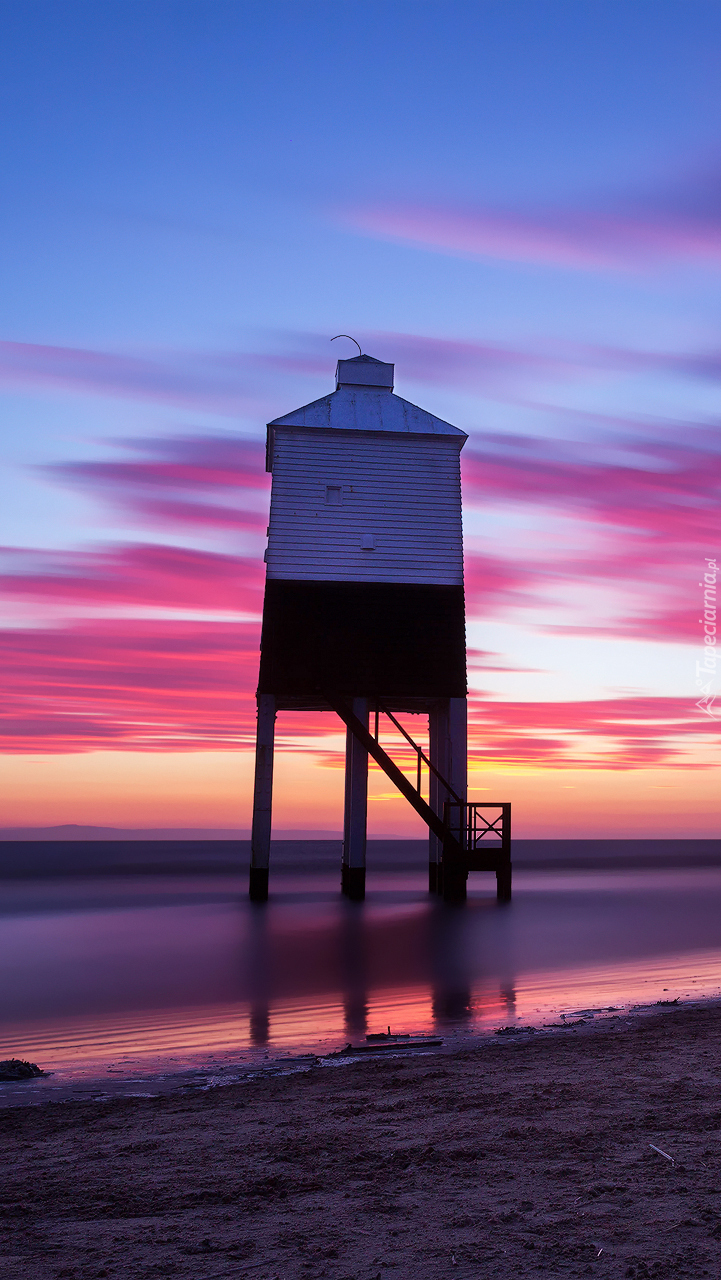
{"points": [[333, 495]]}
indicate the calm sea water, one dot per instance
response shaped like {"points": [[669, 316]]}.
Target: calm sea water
{"points": [[134, 974]]}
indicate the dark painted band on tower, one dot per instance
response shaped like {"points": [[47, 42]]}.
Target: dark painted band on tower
{"points": [[377, 639]]}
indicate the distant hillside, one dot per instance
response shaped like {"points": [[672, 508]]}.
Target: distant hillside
{"points": [[73, 831]]}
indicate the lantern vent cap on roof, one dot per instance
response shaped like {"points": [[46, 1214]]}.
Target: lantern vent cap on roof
{"points": [[364, 371], [364, 400]]}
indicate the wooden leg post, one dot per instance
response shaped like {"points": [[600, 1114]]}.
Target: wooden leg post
{"points": [[437, 794], [262, 799], [455, 878], [503, 883], [355, 821]]}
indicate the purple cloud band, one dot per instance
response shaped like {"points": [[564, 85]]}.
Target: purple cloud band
{"points": [[636, 519], [172, 685], [202, 481], [231, 383], [639, 513], [144, 576], [571, 239]]}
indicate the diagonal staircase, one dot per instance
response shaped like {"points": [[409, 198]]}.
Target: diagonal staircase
{"points": [[463, 827]]}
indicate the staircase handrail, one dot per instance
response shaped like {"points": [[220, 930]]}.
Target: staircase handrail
{"points": [[421, 754], [436, 824]]}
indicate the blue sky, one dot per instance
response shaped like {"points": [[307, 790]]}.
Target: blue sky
{"points": [[175, 172], [519, 203]]}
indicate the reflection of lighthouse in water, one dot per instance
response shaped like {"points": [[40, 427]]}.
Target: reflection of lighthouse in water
{"points": [[364, 593], [349, 971]]}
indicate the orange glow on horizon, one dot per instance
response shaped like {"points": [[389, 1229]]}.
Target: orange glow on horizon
{"points": [[213, 789]]}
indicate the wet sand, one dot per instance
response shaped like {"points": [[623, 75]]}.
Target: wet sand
{"points": [[530, 1153]]}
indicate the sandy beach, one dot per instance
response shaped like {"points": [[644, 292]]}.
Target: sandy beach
{"points": [[530, 1153]]}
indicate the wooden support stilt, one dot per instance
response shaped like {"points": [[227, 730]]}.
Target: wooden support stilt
{"points": [[503, 882], [458, 745], [355, 821], [455, 725], [262, 799], [454, 882], [437, 794]]}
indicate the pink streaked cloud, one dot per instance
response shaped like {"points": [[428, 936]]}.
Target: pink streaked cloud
{"points": [[151, 686], [225, 382], [664, 493], [204, 481], [478, 366], [640, 529], [652, 525], [139, 684], [246, 382], [140, 576], [495, 582], [150, 575], [129, 685], [675, 495], [571, 239], [233, 382], [493, 367], [615, 733]]}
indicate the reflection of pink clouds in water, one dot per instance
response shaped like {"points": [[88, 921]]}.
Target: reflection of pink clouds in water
{"points": [[696, 974], [153, 1040], [182, 1037], [151, 974]]}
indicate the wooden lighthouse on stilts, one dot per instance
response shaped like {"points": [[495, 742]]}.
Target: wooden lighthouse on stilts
{"points": [[364, 615]]}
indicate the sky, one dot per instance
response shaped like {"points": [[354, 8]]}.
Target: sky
{"points": [[517, 203]]}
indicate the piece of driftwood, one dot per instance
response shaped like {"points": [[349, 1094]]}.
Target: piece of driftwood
{"points": [[662, 1153]]}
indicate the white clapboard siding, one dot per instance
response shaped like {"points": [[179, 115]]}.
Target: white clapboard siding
{"points": [[401, 492]]}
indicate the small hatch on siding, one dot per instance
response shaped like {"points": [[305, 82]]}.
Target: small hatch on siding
{"points": [[333, 495]]}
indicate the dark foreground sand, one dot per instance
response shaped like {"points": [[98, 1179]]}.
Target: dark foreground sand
{"points": [[531, 1155]]}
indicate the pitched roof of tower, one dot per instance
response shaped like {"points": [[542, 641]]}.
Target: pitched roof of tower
{"points": [[364, 401]]}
